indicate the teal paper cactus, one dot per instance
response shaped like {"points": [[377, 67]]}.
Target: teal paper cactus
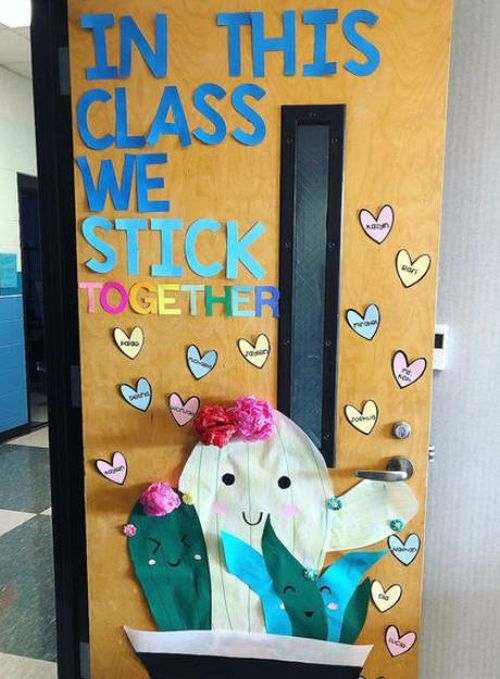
{"points": [[170, 562]]}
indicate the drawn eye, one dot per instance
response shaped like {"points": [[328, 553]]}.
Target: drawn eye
{"points": [[228, 479], [327, 589], [284, 482], [185, 542], [157, 543], [289, 588]]}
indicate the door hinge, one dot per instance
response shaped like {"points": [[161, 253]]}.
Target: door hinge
{"points": [[84, 660]]}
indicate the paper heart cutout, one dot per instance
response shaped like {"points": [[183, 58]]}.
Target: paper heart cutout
{"points": [[396, 644], [200, 365], [116, 470], [140, 397], [130, 345], [258, 353], [365, 326], [411, 271], [406, 552], [385, 599], [365, 420], [406, 373], [183, 412], [377, 228]]}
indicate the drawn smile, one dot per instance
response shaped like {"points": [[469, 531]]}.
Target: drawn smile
{"points": [[250, 523], [174, 564]]}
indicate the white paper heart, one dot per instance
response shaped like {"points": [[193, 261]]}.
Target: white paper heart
{"points": [[116, 470], [385, 599], [258, 353], [365, 420], [130, 345], [411, 271]]}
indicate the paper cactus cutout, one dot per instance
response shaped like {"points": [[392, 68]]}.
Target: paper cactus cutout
{"points": [[301, 597], [236, 487], [170, 562], [356, 612], [338, 585], [247, 564]]}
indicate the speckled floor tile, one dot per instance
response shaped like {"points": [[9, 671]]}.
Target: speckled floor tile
{"points": [[24, 479], [10, 520], [36, 439], [27, 617], [16, 667]]}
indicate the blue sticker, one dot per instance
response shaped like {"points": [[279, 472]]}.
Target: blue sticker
{"points": [[372, 61], [8, 270], [237, 250], [200, 365], [155, 59], [234, 21], [107, 183], [365, 326], [138, 397], [261, 45], [98, 23], [199, 100], [241, 107], [320, 18], [249, 566], [195, 229], [338, 584]]}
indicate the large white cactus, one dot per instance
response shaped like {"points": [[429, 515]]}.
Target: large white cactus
{"points": [[236, 487]]}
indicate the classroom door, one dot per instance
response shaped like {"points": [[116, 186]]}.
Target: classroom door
{"points": [[258, 202]]}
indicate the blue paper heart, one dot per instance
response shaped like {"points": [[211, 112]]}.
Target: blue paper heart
{"points": [[365, 326], [140, 397], [407, 551], [200, 365]]}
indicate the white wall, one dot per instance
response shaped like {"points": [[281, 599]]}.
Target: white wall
{"points": [[461, 624], [17, 151]]}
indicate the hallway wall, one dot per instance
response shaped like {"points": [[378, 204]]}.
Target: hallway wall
{"points": [[17, 154], [461, 593]]}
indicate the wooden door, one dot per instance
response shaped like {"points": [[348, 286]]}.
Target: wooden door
{"points": [[173, 107]]}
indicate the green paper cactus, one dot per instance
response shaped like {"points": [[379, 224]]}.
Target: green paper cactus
{"points": [[170, 562], [355, 614]]}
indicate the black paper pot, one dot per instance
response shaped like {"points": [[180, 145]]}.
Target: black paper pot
{"points": [[216, 654]]}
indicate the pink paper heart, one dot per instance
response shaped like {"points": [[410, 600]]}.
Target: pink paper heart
{"points": [[116, 470], [407, 373], [182, 412], [377, 228], [397, 645]]}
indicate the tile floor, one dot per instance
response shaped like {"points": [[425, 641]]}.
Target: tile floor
{"points": [[27, 617]]}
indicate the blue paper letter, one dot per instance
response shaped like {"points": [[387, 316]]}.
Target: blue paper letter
{"points": [[237, 250], [239, 104], [320, 18], [82, 112], [101, 246], [261, 44], [167, 266], [170, 100], [98, 23], [145, 184], [190, 244], [132, 228], [234, 21], [132, 34], [371, 53], [107, 183], [199, 99], [123, 139]]}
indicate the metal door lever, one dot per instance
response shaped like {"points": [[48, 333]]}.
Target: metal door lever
{"points": [[397, 469]]}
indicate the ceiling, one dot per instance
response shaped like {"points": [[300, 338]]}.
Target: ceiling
{"points": [[15, 52]]}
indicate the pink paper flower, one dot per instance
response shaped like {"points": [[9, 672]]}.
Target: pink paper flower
{"points": [[254, 419], [129, 530], [215, 426], [159, 499]]}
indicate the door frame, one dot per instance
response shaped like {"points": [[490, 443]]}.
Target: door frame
{"points": [[49, 43]]}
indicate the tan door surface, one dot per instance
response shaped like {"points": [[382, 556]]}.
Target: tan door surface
{"points": [[394, 148]]}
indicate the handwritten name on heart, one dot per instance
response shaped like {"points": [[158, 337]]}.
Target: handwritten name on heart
{"points": [[396, 644], [183, 412], [365, 326], [377, 228], [116, 470], [200, 365], [138, 397], [365, 420], [406, 552], [258, 353], [411, 271], [406, 373], [130, 345], [385, 599]]}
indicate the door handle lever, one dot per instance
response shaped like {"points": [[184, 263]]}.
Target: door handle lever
{"points": [[397, 469]]}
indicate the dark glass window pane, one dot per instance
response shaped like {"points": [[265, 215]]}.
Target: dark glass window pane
{"points": [[309, 265]]}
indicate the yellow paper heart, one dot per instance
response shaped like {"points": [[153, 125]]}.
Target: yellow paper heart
{"points": [[383, 599], [256, 354], [365, 420], [129, 345], [412, 271]]}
